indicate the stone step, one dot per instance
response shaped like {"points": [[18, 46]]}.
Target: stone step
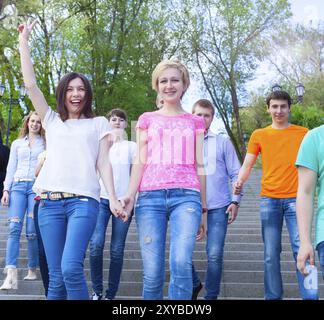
{"points": [[137, 274], [243, 258], [132, 235], [200, 246], [232, 289], [198, 254], [136, 263], [233, 236]]}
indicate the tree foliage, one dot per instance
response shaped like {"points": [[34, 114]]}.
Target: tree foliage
{"points": [[224, 39], [115, 43]]}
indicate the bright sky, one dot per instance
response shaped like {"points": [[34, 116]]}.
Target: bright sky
{"points": [[304, 12]]}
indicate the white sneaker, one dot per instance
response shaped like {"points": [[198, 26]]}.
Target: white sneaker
{"points": [[96, 296], [32, 275]]}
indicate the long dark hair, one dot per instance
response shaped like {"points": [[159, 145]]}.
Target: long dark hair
{"points": [[61, 94]]}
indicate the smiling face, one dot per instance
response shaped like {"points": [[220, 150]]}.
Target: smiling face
{"points": [[75, 98], [279, 110], [34, 124], [205, 113], [170, 86], [117, 122]]}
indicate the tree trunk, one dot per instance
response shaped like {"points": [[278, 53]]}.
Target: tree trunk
{"points": [[236, 111]]}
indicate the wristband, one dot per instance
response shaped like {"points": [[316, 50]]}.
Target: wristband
{"points": [[236, 203]]}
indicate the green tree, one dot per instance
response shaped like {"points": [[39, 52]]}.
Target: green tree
{"points": [[224, 38], [115, 43]]}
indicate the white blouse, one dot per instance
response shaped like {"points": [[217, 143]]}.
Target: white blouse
{"points": [[72, 152]]}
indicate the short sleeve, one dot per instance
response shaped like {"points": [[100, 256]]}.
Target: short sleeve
{"points": [[50, 116], [254, 145], [143, 122], [308, 153], [103, 127]]}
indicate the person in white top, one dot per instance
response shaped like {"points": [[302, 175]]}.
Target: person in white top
{"points": [[121, 154], [19, 196], [77, 146]]}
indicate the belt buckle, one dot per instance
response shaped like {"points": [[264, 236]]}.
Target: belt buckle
{"points": [[51, 195]]}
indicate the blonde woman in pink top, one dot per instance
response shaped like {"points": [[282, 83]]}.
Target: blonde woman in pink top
{"points": [[168, 175]]}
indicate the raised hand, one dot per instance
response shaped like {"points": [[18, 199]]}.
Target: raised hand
{"points": [[25, 29]]}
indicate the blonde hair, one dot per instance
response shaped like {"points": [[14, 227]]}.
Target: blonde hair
{"points": [[166, 64], [159, 102], [24, 128]]}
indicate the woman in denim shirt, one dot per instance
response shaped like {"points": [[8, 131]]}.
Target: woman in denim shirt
{"points": [[19, 196]]}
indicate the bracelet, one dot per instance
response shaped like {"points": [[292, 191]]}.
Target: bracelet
{"points": [[236, 203], [204, 210]]}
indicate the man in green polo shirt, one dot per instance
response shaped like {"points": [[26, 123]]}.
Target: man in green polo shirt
{"points": [[310, 163]]}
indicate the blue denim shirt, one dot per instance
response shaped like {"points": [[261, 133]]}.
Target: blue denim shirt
{"points": [[22, 160], [221, 165]]}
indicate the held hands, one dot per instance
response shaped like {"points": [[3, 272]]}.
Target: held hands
{"points": [[305, 252], [25, 29], [5, 199], [116, 207], [127, 204], [122, 208], [237, 187]]}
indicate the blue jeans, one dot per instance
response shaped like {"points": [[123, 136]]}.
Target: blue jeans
{"points": [[117, 245], [272, 212], [66, 227], [21, 200], [320, 252], [182, 207], [216, 232], [43, 268]]}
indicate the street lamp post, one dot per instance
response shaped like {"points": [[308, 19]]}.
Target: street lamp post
{"points": [[276, 87], [300, 90], [11, 102]]}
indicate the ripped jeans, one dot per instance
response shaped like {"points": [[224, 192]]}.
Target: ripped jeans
{"points": [[21, 201], [153, 210]]}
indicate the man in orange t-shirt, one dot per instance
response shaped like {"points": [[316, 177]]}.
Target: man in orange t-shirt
{"points": [[279, 144]]}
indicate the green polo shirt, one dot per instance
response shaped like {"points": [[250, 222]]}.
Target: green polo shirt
{"points": [[311, 156]]}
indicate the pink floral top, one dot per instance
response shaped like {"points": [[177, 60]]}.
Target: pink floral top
{"points": [[171, 149]]}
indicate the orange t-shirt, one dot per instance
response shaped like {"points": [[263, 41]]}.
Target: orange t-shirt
{"points": [[279, 148]]}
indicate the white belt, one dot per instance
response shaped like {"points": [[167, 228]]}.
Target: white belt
{"points": [[23, 179]]}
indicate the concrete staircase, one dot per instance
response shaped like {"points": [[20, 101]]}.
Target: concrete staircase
{"points": [[243, 259]]}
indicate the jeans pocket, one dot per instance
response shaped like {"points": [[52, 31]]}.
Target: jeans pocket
{"points": [[190, 192], [143, 194], [15, 186]]}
